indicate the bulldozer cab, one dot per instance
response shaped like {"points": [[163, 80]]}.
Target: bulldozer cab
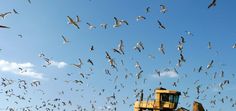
{"points": [[168, 98], [165, 100]]}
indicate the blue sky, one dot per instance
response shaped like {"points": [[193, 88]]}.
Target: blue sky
{"points": [[42, 23]]}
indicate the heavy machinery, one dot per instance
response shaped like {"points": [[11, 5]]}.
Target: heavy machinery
{"points": [[165, 100]]}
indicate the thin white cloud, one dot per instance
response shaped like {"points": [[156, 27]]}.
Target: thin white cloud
{"points": [[58, 64], [23, 69], [167, 73]]}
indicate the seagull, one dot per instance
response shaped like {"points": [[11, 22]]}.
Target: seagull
{"points": [[64, 39], [3, 26], [158, 72], [161, 25], [209, 45], [14, 10], [140, 18], [138, 75], [90, 26], [148, 9], [189, 33], [110, 60], [212, 4], [71, 21], [4, 14], [200, 69], [92, 48], [120, 48], [90, 61], [137, 65], [210, 64], [47, 60], [161, 49], [139, 46], [41, 55], [78, 81], [234, 46], [104, 25], [21, 36], [108, 55], [78, 65], [163, 9]]}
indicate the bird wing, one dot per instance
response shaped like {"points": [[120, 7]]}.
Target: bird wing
{"points": [[213, 3], [70, 20], [88, 24], [64, 38], [160, 24], [116, 20], [78, 19], [124, 21], [2, 26]]}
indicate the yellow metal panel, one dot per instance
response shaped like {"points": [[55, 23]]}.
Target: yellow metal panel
{"points": [[145, 104]]}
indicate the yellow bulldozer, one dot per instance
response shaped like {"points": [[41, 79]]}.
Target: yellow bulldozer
{"points": [[165, 100]]}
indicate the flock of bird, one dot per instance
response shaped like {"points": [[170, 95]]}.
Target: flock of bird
{"points": [[117, 23], [11, 88]]}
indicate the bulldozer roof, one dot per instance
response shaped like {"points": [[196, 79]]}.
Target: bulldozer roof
{"points": [[163, 90]]}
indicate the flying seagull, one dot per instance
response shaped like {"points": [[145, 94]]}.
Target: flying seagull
{"points": [[71, 21], [161, 25], [4, 14], [91, 48], [21, 36], [161, 49], [189, 33], [90, 61], [148, 9], [14, 10], [118, 22], [79, 64], [90, 26], [140, 18], [212, 4], [120, 48], [139, 46], [210, 64], [64, 39], [209, 45], [104, 25], [163, 9], [234, 46]]}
